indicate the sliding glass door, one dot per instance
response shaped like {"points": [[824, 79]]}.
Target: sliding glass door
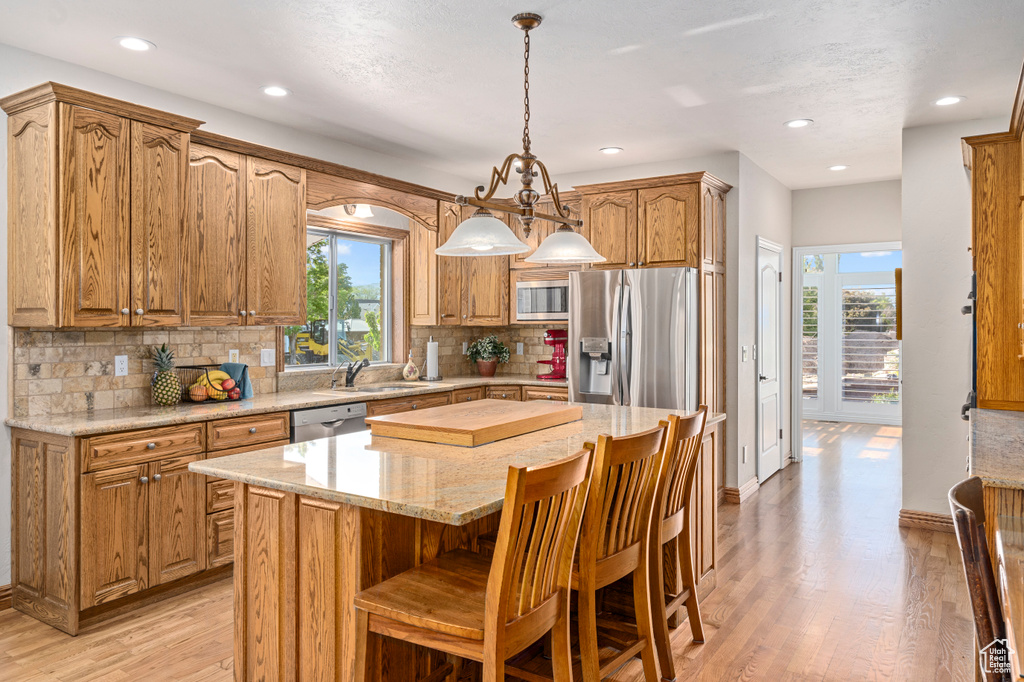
{"points": [[849, 354]]}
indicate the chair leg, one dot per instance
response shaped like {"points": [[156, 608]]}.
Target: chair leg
{"points": [[659, 619], [642, 608], [671, 565], [362, 626], [561, 646], [690, 583], [587, 616], [456, 672]]}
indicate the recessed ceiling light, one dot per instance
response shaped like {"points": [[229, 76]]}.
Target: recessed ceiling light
{"points": [[838, 168], [610, 150], [135, 44], [952, 99], [275, 91], [799, 123]]}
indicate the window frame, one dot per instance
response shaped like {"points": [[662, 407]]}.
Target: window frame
{"points": [[397, 266]]}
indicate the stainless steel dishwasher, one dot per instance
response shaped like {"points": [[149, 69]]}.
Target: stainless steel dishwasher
{"points": [[323, 422]]}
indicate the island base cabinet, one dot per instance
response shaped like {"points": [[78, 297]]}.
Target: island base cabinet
{"points": [[299, 562]]}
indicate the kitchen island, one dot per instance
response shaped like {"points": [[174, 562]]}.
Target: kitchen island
{"points": [[316, 522]]}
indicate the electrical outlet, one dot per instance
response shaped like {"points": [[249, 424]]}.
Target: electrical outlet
{"points": [[233, 355], [519, 348], [267, 357], [465, 347], [744, 454], [120, 365]]}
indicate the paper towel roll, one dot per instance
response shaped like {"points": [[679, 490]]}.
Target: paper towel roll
{"points": [[432, 358]]}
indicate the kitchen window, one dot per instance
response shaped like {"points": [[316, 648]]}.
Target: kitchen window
{"points": [[348, 301]]}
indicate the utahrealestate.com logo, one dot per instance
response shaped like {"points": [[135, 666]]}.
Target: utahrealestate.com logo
{"points": [[995, 658]]}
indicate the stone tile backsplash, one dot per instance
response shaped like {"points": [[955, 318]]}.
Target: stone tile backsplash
{"points": [[70, 371], [452, 362]]}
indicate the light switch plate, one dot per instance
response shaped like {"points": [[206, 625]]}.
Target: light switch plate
{"points": [[120, 365], [744, 454], [519, 348], [465, 347], [746, 353], [267, 357], [233, 355]]}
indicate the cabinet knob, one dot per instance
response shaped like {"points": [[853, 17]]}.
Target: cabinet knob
{"points": [[468, 398], [125, 311], [414, 406], [143, 480], [156, 477], [252, 312], [242, 313], [632, 264], [445, 315], [504, 395], [139, 311], [463, 317], [151, 446], [641, 262], [252, 429]]}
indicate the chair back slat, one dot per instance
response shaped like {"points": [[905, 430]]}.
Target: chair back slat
{"points": [[537, 537], [966, 501], [683, 441], [619, 510]]}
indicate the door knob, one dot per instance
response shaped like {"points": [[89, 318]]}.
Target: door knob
{"points": [[762, 377]]}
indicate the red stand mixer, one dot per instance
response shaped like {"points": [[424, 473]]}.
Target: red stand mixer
{"points": [[558, 339]]}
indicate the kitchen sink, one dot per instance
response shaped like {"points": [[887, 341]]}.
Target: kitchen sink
{"points": [[378, 389]]}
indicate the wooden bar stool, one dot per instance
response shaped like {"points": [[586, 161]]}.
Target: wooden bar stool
{"points": [[683, 439], [966, 501], [615, 542], [483, 611]]}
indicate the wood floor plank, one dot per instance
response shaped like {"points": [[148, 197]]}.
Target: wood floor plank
{"points": [[816, 581]]}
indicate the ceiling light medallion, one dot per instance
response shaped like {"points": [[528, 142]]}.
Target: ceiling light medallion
{"points": [[483, 234]]}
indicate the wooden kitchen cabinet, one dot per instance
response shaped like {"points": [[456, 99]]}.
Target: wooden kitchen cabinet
{"points": [[276, 245], [177, 520], [465, 395], [449, 268], [610, 222], [542, 229], [545, 393], [485, 286], [96, 233], [217, 237], [504, 392], [115, 505], [423, 297], [668, 232]]}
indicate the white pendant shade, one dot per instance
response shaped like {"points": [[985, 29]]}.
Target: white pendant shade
{"points": [[565, 246], [363, 211], [482, 235]]}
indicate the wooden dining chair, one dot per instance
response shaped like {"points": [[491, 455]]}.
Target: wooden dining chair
{"points": [[470, 608], [615, 541], [683, 439], [966, 501]]}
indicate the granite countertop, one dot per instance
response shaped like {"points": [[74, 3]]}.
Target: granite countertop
{"points": [[445, 483], [125, 419]]}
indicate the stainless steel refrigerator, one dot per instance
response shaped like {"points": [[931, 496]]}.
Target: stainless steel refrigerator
{"points": [[633, 337]]}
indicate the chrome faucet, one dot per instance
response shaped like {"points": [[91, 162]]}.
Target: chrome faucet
{"points": [[352, 370]]}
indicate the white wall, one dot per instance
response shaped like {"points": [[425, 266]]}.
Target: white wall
{"points": [[848, 214], [20, 69], [936, 337]]}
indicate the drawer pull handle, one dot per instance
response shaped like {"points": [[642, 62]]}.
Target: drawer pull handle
{"points": [[252, 429], [151, 446], [143, 480], [156, 477]]}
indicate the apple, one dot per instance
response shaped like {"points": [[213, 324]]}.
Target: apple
{"points": [[235, 393], [227, 384]]}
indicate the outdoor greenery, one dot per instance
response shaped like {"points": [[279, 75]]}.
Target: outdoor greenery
{"points": [[373, 336], [488, 348], [863, 310]]}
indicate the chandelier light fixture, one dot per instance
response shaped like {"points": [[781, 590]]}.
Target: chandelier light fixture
{"points": [[485, 235]]}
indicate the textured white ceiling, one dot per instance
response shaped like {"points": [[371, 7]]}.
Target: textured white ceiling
{"points": [[440, 82]]}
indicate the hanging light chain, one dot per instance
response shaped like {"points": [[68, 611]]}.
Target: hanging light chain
{"points": [[526, 92]]}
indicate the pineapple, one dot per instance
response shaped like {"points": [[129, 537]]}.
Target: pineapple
{"points": [[166, 386]]}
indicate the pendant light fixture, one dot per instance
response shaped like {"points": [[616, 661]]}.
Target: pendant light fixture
{"points": [[484, 235]]}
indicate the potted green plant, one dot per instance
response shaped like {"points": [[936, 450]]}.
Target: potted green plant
{"points": [[487, 353]]}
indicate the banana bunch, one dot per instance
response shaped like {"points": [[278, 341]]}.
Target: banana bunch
{"points": [[213, 381]]}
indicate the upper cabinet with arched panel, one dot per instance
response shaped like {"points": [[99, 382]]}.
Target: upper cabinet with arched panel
{"points": [[96, 220]]}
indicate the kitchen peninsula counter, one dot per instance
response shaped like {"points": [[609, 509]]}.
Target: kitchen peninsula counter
{"points": [[317, 522]]}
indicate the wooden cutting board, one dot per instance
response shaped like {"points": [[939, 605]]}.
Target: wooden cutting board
{"points": [[474, 423]]}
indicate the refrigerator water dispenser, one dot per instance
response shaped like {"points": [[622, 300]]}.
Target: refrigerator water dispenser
{"points": [[595, 365]]}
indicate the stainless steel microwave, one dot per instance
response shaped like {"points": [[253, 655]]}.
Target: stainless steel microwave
{"points": [[543, 300]]}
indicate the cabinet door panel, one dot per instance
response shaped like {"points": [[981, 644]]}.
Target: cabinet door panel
{"points": [[609, 222], [114, 534], [423, 306], [32, 218], [220, 538], [485, 285], [449, 269], [216, 228], [159, 170], [669, 226], [177, 533], [276, 229], [95, 205]]}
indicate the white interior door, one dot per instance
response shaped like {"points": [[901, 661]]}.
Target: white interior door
{"points": [[769, 359]]}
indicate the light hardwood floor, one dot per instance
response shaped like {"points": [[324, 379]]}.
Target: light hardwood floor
{"points": [[816, 582]]}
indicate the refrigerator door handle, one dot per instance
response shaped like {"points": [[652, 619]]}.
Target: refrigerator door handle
{"points": [[625, 346]]}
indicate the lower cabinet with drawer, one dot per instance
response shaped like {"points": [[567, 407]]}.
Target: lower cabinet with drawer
{"points": [[544, 393], [465, 395], [102, 518], [376, 408]]}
